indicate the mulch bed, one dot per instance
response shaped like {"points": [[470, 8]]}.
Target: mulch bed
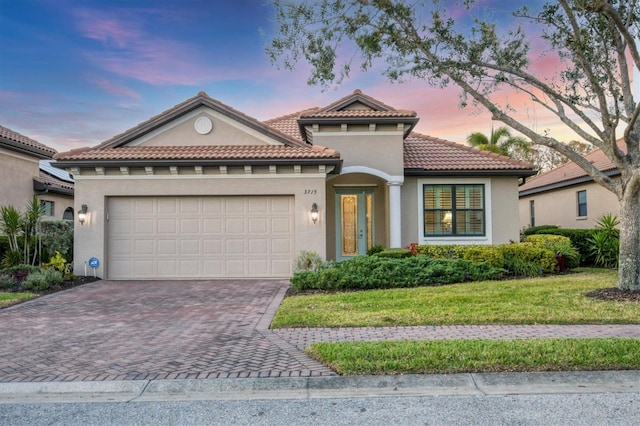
{"points": [[69, 284], [615, 294]]}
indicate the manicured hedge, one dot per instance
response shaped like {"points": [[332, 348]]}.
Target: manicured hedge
{"points": [[579, 239], [374, 272]]}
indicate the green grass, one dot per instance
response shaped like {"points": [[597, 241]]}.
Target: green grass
{"points": [[466, 356], [8, 299], [557, 299]]}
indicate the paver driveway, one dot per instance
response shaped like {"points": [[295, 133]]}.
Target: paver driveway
{"points": [[123, 330]]}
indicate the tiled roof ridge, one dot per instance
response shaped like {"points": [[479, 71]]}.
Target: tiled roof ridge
{"points": [[325, 150], [290, 115], [472, 149], [354, 94], [72, 152], [26, 142]]}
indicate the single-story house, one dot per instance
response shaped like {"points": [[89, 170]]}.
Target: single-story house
{"points": [[204, 191], [25, 172], [567, 196]]}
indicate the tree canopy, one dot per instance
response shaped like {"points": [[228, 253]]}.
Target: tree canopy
{"points": [[486, 52]]}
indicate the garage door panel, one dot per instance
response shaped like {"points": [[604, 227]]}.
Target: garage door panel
{"points": [[200, 237]]}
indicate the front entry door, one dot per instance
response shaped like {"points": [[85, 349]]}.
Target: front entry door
{"points": [[355, 222]]}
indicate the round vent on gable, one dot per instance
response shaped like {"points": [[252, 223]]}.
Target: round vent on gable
{"points": [[203, 125]]}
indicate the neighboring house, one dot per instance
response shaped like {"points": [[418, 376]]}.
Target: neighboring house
{"points": [[567, 197], [204, 191], [25, 172]]}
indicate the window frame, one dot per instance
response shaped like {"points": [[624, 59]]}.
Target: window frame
{"points": [[532, 213], [579, 204], [45, 211], [487, 238]]}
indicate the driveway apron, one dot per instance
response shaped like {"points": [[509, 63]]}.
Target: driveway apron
{"points": [[146, 330]]}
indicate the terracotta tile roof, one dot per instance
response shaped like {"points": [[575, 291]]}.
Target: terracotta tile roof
{"points": [[16, 141], [358, 96], [288, 124], [425, 154], [358, 113], [53, 182], [201, 152], [569, 171], [201, 99]]}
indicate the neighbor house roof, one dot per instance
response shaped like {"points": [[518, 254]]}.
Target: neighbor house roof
{"points": [[14, 141], [568, 174], [52, 179]]}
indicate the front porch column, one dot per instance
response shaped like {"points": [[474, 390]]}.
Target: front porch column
{"points": [[395, 214]]}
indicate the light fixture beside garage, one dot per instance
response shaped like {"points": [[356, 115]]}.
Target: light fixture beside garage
{"points": [[314, 212], [82, 214]]}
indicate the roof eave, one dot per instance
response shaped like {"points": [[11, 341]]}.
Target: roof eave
{"points": [[484, 172], [33, 151], [65, 164], [303, 122]]}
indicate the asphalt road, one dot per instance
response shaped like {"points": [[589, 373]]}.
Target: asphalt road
{"points": [[538, 409]]}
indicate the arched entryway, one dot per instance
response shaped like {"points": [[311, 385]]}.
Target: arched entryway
{"points": [[358, 207]]}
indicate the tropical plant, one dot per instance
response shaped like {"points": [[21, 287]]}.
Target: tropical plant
{"points": [[605, 242], [20, 228], [489, 52], [502, 142]]}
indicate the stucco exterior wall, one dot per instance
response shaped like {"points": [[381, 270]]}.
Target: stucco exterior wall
{"points": [[89, 239], [61, 202], [501, 205], [182, 132], [560, 207], [378, 150], [16, 178]]}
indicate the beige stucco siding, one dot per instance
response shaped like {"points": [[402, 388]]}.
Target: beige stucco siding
{"points": [[90, 238], [224, 132], [560, 207], [61, 202], [381, 151], [16, 178], [500, 210]]}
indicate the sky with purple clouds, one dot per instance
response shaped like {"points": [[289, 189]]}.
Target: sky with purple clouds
{"points": [[76, 72]]}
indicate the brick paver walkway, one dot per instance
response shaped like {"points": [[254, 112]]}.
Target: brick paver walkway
{"points": [[143, 330]]}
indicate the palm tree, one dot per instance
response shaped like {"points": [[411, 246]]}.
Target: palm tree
{"points": [[501, 142]]}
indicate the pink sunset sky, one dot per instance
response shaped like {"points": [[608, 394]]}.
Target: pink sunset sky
{"points": [[76, 72]]}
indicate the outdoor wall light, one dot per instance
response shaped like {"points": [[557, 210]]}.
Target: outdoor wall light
{"points": [[82, 214], [314, 212]]}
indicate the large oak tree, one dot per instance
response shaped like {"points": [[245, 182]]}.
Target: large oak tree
{"points": [[462, 43]]}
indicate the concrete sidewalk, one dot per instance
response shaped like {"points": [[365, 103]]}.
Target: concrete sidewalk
{"points": [[323, 387]]}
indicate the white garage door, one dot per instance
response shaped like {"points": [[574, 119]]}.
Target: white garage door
{"points": [[199, 237]]}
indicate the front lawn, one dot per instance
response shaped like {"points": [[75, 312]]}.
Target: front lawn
{"points": [[555, 299], [474, 356], [8, 299]]}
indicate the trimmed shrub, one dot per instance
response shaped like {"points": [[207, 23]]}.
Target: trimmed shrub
{"points": [[543, 258], [579, 239], [20, 272], [372, 272], [42, 279], [395, 253], [560, 245], [375, 249], [7, 282], [489, 254], [540, 229]]}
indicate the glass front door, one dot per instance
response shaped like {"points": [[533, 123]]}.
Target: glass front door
{"points": [[355, 222]]}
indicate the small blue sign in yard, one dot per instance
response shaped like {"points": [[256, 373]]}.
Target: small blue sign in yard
{"points": [[94, 262]]}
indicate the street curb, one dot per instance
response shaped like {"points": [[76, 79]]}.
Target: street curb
{"points": [[323, 387]]}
